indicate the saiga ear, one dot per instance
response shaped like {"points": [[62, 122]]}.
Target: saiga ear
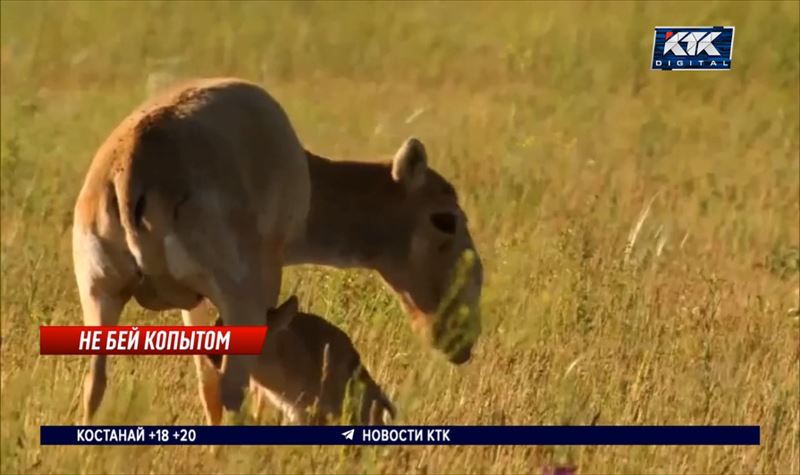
{"points": [[410, 164], [280, 317]]}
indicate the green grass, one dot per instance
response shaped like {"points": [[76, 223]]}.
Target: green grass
{"points": [[557, 135]]}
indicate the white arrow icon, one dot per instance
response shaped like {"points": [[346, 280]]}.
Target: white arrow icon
{"points": [[348, 434]]}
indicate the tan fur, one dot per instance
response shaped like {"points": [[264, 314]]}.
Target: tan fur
{"points": [[201, 195], [307, 367], [170, 208], [386, 216]]}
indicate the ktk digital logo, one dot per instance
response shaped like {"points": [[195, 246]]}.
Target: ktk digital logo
{"points": [[693, 48]]}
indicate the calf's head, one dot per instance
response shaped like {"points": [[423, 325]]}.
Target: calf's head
{"points": [[278, 320]]}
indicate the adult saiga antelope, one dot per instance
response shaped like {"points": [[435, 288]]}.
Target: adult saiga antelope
{"points": [[204, 193]]}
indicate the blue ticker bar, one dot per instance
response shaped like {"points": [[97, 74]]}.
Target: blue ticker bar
{"points": [[400, 435]]}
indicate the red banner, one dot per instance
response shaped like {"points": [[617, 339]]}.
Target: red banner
{"points": [[151, 340]]}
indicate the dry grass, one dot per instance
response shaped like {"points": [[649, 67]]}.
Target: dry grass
{"points": [[558, 137]]}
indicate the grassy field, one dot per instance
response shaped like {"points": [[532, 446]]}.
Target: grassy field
{"points": [[639, 228]]}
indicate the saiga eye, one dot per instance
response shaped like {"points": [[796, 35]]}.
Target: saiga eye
{"points": [[444, 222]]}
